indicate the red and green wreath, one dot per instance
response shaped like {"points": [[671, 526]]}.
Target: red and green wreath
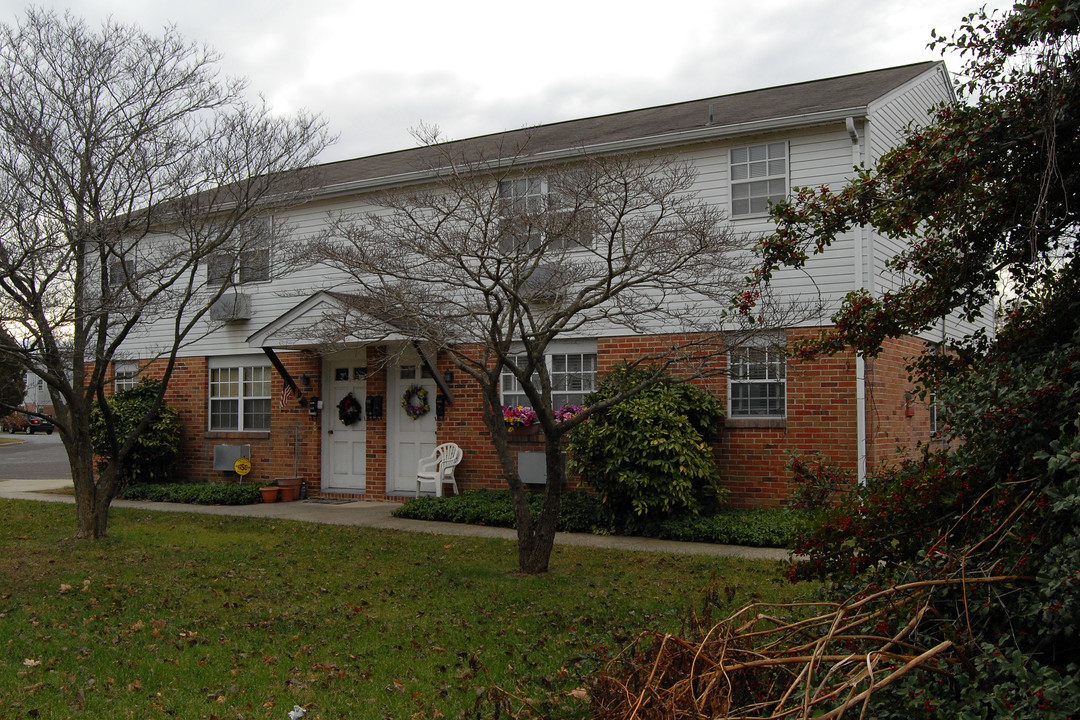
{"points": [[418, 408], [348, 410]]}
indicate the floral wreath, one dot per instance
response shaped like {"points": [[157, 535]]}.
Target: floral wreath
{"points": [[348, 410], [418, 410]]}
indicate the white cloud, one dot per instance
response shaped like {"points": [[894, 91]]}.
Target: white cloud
{"points": [[376, 69]]}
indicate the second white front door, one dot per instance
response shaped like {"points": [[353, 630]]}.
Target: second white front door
{"points": [[410, 435]]}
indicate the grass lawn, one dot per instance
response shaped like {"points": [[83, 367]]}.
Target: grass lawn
{"points": [[197, 616]]}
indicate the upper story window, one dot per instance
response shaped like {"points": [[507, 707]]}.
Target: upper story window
{"points": [[757, 382], [534, 215], [247, 266], [240, 397], [573, 376], [759, 176], [121, 272]]}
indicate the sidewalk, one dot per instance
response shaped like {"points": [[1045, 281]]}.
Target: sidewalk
{"points": [[378, 515]]}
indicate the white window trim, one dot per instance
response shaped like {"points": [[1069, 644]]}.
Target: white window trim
{"points": [[770, 349], [239, 363], [733, 182]]}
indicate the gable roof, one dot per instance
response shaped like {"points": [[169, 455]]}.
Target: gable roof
{"points": [[826, 100]]}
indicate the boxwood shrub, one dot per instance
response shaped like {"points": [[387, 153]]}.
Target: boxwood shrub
{"points": [[581, 511], [207, 493]]}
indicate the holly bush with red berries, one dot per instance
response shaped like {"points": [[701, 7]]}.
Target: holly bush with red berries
{"points": [[987, 525]]}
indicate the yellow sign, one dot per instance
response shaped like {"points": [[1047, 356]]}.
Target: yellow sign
{"points": [[242, 466]]}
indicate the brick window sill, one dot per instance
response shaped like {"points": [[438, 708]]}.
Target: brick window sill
{"points": [[737, 423], [237, 435]]}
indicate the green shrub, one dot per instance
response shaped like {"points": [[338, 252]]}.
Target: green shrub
{"points": [[649, 454], [213, 493], [153, 458], [583, 512]]}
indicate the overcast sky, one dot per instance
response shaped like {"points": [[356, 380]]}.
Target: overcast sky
{"points": [[377, 69]]}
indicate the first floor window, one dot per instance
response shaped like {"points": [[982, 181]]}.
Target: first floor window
{"points": [[240, 397], [758, 382], [125, 375], [573, 376]]}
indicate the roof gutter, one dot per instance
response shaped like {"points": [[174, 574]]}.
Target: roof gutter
{"points": [[684, 137]]}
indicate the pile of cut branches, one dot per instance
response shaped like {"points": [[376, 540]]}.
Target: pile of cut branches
{"points": [[759, 663]]}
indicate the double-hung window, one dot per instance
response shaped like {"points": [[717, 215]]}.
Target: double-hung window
{"points": [[759, 176], [125, 375], [535, 214], [573, 376], [244, 266], [240, 397], [121, 273], [757, 382], [247, 264]]}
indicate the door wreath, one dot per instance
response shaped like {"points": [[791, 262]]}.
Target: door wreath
{"points": [[416, 409], [348, 410]]}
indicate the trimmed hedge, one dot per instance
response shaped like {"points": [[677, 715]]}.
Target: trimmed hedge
{"points": [[582, 512], [213, 493]]}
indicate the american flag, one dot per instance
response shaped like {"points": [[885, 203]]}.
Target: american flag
{"points": [[286, 393]]}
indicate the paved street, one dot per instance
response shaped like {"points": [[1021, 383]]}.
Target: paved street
{"points": [[30, 457]]}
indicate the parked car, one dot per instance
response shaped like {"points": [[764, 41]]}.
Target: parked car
{"points": [[29, 424]]}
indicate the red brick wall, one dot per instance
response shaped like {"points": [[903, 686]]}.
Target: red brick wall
{"points": [[898, 420], [290, 448], [752, 454]]}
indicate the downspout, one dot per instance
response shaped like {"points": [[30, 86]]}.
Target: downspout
{"points": [[860, 284]]}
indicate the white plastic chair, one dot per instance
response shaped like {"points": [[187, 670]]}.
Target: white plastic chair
{"points": [[438, 468]]}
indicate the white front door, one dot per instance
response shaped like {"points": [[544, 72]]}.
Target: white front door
{"points": [[344, 444], [408, 438]]}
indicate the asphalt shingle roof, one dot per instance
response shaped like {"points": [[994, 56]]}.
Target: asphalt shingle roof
{"points": [[785, 101]]}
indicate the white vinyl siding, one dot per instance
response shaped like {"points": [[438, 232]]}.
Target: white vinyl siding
{"points": [[240, 398], [759, 176]]}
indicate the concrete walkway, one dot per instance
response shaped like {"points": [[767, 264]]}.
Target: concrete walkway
{"points": [[378, 515]]}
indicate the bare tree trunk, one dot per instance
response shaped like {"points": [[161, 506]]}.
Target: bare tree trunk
{"points": [[93, 494]]}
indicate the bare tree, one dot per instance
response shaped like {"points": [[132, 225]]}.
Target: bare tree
{"points": [[499, 258], [132, 180]]}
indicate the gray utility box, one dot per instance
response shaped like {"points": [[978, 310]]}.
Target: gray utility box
{"points": [[532, 467], [225, 456]]}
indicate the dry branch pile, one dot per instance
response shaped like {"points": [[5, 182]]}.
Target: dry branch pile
{"points": [[756, 664]]}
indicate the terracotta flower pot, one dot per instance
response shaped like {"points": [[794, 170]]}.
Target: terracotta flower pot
{"points": [[290, 488], [269, 494]]}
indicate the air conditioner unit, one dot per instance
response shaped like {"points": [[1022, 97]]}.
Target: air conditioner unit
{"points": [[232, 308], [225, 456]]}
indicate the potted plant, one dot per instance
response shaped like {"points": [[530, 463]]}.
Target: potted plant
{"points": [[269, 493], [290, 488]]}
